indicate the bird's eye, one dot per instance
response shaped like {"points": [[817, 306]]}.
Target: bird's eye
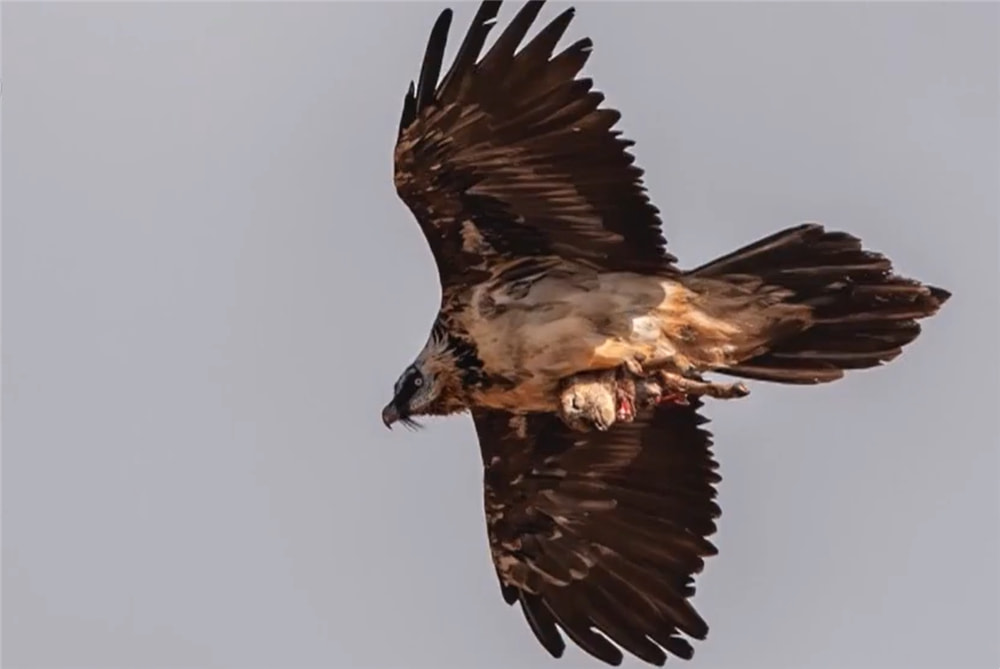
{"points": [[418, 381]]}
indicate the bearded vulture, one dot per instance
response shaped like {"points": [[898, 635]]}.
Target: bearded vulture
{"points": [[552, 263]]}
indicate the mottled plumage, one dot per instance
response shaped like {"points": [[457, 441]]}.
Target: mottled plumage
{"points": [[553, 267]]}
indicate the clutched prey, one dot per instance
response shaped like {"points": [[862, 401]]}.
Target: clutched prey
{"points": [[599, 399]]}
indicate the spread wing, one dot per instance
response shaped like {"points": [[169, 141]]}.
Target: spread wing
{"points": [[602, 531], [509, 156]]}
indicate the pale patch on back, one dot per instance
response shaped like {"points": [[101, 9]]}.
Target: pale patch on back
{"points": [[646, 329]]}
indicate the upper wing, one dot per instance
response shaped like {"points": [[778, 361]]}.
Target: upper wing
{"points": [[603, 530], [509, 156]]}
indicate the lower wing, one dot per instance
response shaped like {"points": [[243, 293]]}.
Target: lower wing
{"points": [[602, 531]]}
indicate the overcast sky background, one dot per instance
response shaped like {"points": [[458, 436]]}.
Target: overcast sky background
{"points": [[209, 288]]}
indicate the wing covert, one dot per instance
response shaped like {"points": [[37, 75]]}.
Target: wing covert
{"points": [[602, 530], [510, 155]]}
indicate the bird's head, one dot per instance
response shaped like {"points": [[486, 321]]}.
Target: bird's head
{"points": [[428, 387], [413, 395]]}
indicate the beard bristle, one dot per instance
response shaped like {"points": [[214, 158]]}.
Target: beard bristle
{"points": [[410, 423]]}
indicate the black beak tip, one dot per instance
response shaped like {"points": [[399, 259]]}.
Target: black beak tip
{"points": [[389, 416]]}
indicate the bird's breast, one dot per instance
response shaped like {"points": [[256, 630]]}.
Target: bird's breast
{"points": [[533, 336]]}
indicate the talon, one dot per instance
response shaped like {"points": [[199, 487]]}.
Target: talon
{"points": [[634, 367]]}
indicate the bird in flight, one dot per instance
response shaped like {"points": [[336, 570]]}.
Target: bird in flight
{"points": [[553, 266]]}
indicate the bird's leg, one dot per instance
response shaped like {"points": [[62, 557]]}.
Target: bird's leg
{"points": [[638, 390], [675, 385], [632, 366]]}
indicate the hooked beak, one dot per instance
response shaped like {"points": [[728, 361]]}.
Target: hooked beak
{"points": [[390, 414]]}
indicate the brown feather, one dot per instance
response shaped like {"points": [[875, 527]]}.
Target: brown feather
{"points": [[855, 312], [602, 530], [516, 146], [541, 622]]}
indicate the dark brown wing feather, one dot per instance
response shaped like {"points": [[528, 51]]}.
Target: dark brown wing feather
{"points": [[602, 530], [509, 156]]}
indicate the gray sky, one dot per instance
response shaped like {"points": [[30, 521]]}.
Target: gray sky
{"points": [[209, 287]]}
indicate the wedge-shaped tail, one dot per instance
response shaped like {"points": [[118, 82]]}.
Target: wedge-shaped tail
{"points": [[860, 313]]}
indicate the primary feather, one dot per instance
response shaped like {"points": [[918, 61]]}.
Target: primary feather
{"points": [[511, 156]]}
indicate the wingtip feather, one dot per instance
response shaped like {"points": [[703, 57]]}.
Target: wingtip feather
{"points": [[430, 70]]}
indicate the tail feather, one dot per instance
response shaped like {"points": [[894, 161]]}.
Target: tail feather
{"points": [[861, 314]]}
